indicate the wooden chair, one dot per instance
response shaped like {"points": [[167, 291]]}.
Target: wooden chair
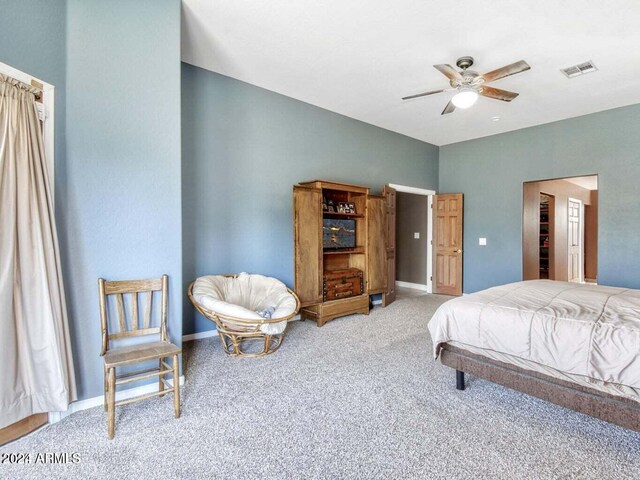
{"points": [[141, 352]]}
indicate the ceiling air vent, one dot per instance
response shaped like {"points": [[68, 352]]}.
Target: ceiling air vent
{"points": [[580, 69]]}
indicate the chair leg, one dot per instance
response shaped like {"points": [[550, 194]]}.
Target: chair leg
{"points": [[160, 382], [176, 387], [236, 344], [106, 387], [111, 403]]}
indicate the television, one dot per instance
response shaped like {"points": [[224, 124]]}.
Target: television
{"points": [[338, 233]]}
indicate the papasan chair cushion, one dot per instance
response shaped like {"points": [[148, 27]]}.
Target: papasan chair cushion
{"points": [[245, 296]]}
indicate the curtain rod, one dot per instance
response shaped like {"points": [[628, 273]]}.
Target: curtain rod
{"points": [[35, 85]]}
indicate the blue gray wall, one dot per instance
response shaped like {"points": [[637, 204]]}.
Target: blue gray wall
{"points": [[116, 68], [243, 150], [33, 40], [490, 172], [412, 213], [123, 192]]}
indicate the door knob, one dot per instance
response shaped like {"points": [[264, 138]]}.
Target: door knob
{"points": [[458, 251]]}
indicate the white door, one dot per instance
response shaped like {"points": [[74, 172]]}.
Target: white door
{"points": [[574, 234]]}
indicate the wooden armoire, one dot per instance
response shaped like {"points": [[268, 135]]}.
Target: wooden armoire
{"points": [[373, 253]]}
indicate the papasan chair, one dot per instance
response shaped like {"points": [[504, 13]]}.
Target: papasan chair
{"points": [[250, 311]]}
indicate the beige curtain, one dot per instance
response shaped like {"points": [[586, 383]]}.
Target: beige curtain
{"points": [[36, 367]]}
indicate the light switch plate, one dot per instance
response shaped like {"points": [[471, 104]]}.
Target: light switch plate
{"points": [[482, 241], [416, 235]]}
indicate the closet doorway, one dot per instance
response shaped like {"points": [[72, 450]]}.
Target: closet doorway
{"points": [[560, 229]]}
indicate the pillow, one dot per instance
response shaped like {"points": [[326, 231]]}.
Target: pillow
{"points": [[244, 296]]}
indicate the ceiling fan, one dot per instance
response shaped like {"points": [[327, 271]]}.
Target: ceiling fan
{"points": [[470, 84]]}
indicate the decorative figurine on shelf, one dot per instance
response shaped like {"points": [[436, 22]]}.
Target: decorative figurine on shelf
{"points": [[331, 207], [324, 204]]}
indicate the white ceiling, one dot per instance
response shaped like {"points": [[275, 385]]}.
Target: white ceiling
{"points": [[359, 57], [590, 182]]}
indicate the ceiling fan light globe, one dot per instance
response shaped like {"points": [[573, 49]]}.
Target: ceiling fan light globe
{"points": [[465, 98]]}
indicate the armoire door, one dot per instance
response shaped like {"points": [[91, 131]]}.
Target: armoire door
{"points": [[447, 243], [376, 244], [390, 198], [307, 226]]}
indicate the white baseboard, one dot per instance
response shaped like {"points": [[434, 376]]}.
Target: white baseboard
{"points": [[200, 335], [214, 333], [99, 400], [415, 286]]}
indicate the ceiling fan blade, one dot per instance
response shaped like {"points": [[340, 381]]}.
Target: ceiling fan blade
{"points": [[497, 93], [448, 71], [422, 94], [505, 71], [449, 108]]}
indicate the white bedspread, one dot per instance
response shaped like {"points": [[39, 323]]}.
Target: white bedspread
{"points": [[586, 330]]}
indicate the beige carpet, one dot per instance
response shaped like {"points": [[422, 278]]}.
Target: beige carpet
{"points": [[358, 398]]}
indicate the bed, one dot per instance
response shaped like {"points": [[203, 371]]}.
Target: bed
{"points": [[572, 344]]}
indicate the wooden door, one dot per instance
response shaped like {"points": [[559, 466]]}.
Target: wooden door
{"points": [[390, 199], [307, 226], [574, 234], [376, 244], [447, 244]]}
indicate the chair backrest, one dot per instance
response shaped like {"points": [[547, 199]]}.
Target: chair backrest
{"points": [[121, 288]]}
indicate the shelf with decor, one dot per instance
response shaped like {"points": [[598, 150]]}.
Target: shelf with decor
{"points": [[347, 251], [341, 215], [545, 234]]}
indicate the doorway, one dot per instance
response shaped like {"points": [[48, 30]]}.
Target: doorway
{"points": [[413, 240], [560, 229]]}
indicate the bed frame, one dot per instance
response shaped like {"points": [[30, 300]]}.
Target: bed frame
{"points": [[618, 410]]}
